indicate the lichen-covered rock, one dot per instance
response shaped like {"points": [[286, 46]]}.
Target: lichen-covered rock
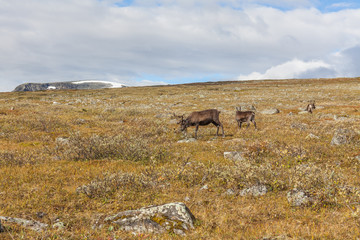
{"points": [[255, 191], [235, 156], [172, 217], [270, 111], [299, 198], [31, 224], [342, 136], [189, 140]]}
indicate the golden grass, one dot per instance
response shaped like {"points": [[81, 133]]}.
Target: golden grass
{"points": [[40, 173]]}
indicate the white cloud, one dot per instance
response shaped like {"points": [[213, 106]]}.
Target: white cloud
{"points": [[48, 41], [291, 69]]}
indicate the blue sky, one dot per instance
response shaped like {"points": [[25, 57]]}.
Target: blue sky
{"points": [[145, 42]]}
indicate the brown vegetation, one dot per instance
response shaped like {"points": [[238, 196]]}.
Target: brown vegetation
{"points": [[76, 156]]}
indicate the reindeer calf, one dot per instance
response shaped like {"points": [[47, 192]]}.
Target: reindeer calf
{"points": [[246, 116], [201, 118]]}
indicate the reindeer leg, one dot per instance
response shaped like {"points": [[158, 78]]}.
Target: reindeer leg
{"points": [[222, 128], [196, 130], [240, 124], [254, 123]]}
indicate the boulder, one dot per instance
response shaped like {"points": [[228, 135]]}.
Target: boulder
{"points": [[187, 140], [235, 156], [255, 191], [299, 198], [342, 136], [31, 224], [172, 217], [270, 111]]}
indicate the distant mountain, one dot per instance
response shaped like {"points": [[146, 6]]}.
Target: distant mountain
{"points": [[85, 84]]}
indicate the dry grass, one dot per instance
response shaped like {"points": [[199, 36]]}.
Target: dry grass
{"points": [[77, 155]]}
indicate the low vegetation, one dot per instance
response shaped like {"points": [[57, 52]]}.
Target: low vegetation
{"points": [[77, 156]]}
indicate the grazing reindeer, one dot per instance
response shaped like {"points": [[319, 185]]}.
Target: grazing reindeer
{"points": [[201, 118], [310, 107], [246, 116]]}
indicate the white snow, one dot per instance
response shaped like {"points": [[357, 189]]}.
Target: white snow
{"points": [[51, 87], [113, 84]]}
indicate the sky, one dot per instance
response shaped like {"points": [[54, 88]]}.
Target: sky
{"points": [[150, 42]]}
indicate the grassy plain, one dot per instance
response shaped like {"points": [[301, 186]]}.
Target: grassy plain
{"points": [[53, 142]]}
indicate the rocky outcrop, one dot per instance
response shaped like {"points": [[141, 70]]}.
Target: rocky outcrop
{"points": [[62, 86], [172, 217], [342, 136], [30, 224]]}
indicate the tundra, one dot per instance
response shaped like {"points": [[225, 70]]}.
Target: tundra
{"points": [[201, 118], [244, 116]]}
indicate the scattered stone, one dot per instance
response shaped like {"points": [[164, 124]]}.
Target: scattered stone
{"points": [[31, 224], [299, 198], [255, 191], [58, 225], [342, 136], [270, 111], [1, 228], [235, 156], [186, 199], [230, 192], [187, 140], [205, 187], [62, 141], [340, 118], [173, 121], [40, 214], [303, 112], [172, 217], [311, 136], [357, 157], [300, 126]]}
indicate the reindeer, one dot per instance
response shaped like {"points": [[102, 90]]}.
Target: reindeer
{"points": [[310, 107], [246, 116], [201, 118]]}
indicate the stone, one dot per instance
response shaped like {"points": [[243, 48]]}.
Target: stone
{"points": [[255, 191], [299, 198], [230, 192], [270, 111], [187, 140], [300, 126], [342, 136], [58, 225], [1, 228], [234, 156], [31, 224], [205, 187], [172, 217], [311, 136]]}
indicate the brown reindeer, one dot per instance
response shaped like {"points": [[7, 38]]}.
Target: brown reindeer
{"points": [[201, 118], [310, 107], [246, 116]]}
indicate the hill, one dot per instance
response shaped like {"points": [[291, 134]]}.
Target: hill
{"points": [[84, 84], [69, 159]]}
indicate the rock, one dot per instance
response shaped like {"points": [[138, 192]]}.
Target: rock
{"points": [[230, 192], [300, 126], [357, 157], [303, 112], [311, 136], [205, 187], [270, 111], [31, 224], [299, 198], [255, 191], [235, 156], [1, 228], [342, 136], [62, 141], [172, 217], [58, 225], [187, 140], [186, 199]]}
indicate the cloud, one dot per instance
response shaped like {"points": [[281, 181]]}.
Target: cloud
{"points": [[293, 69], [171, 40]]}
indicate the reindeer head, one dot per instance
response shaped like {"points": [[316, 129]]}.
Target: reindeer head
{"points": [[238, 109], [182, 122]]}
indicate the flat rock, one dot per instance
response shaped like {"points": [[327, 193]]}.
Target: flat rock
{"points": [[270, 111], [187, 140], [299, 198], [255, 191], [172, 217], [235, 156], [30, 224]]}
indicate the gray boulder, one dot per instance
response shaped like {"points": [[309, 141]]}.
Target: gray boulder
{"points": [[270, 111], [299, 198], [172, 217], [342, 136], [235, 156], [255, 191], [31, 224]]}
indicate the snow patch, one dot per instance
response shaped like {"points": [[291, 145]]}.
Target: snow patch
{"points": [[51, 87]]}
